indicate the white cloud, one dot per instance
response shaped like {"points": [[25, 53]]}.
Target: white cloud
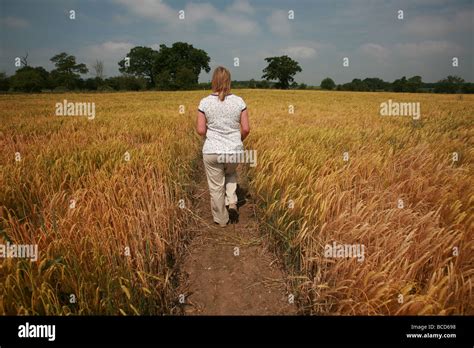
{"points": [[380, 53], [155, 46], [122, 19], [110, 47], [199, 12], [436, 26], [427, 48], [227, 21], [233, 20], [242, 6], [279, 23], [154, 9], [428, 26], [14, 22], [109, 52], [300, 52]]}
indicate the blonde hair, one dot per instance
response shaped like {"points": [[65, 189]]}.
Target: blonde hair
{"points": [[221, 82]]}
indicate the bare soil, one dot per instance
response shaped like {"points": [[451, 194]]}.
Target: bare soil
{"points": [[230, 270]]}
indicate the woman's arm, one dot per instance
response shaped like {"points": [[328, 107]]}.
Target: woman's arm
{"points": [[201, 127], [244, 124]]}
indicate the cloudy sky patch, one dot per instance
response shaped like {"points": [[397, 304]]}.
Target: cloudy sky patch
{"points": [[322, 32]]}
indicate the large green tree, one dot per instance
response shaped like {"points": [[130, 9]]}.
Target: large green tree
{"points": [[179, 66], [400, 85], [281, 68], [450, 84], [375, 83], [328, 83], [29, 79], [175, 67], [407, 85], [140, 63], [414, 83], [67, 72]]}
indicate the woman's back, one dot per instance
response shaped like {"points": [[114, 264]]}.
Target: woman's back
{"points": [[223, 123]]}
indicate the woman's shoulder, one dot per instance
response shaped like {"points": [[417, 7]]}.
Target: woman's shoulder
{"points": [[207, 97], [210, 98], [240, 102], [236, 97]]}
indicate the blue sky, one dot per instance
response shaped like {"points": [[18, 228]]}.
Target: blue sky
{"points": [[321, 34]]}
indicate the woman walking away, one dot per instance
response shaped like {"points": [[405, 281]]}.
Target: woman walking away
{"points": [[223, 121]]}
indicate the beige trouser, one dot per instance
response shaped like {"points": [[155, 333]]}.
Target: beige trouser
{"points": [[222, 180]]}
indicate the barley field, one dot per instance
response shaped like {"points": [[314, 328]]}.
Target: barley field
{"points": [[108, 200], [115, 250], [418, 254]]}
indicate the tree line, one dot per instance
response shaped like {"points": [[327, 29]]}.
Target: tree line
{"points": [[178, 68], [414, 84]]}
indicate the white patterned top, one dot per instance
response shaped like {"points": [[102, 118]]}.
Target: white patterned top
{"points": [[223, 124]]}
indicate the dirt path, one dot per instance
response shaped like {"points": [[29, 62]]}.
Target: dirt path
{"points": [[229, 271]]}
